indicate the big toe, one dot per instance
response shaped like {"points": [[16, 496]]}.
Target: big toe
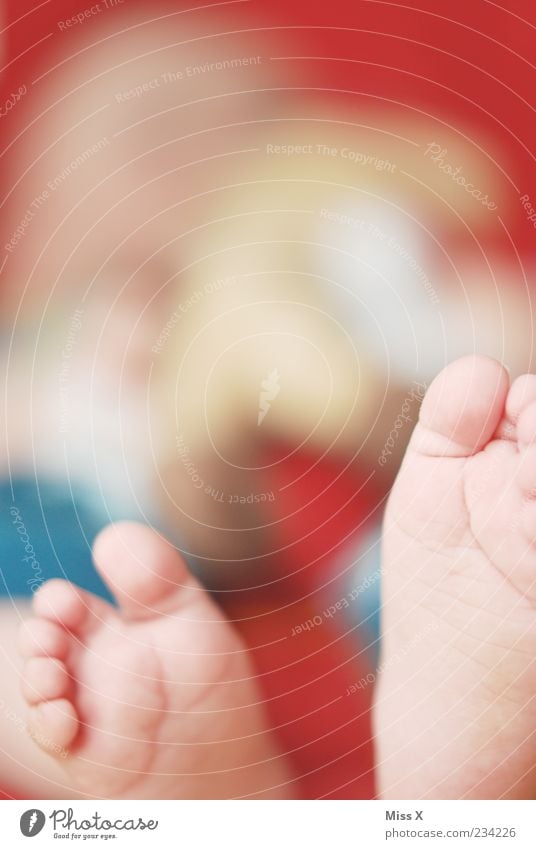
{"points": [[462, 408], [144, 572]]}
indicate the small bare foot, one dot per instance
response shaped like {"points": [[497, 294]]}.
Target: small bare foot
{"points": [[153, 699], [455, 708]]}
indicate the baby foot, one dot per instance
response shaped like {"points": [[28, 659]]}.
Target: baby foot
{"points": [[455, 709], [153, 699]]}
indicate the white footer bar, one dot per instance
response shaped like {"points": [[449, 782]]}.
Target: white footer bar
{"points": [[270, 825]]}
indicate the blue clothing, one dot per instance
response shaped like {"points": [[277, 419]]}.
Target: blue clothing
{"points": [[46, 531]]}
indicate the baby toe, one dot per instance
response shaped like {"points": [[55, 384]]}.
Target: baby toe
{"points": [[462, 408], [526, 426], [42, 638], [144, 572], [44, 679], [54, 725], [70, 606], [521, 395], [61, 602]]}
